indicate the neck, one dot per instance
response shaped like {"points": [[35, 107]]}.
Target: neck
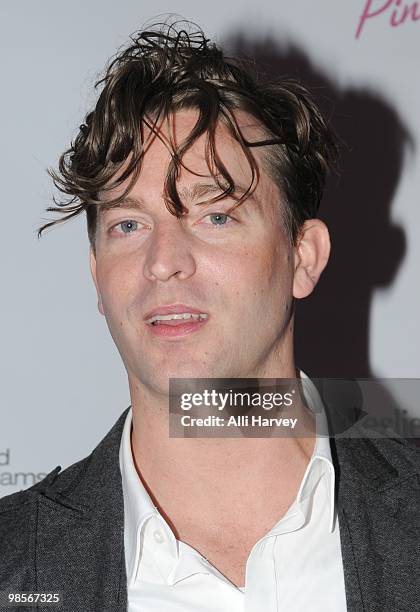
{"points": [[216, 474]]}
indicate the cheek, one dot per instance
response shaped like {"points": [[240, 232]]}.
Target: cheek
{"points": [[257, 281], [270, 267], [114, 283], [272, 278]]}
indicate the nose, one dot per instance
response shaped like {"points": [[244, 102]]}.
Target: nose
{"points": [[169, 253]]}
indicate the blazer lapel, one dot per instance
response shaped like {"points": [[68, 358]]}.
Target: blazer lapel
{"points": [[80, 531], [378, 509]]}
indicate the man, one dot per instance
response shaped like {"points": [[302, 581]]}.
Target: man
{"points": [[201, 188]]}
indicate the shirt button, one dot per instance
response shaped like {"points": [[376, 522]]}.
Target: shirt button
{"points": [[158, 536]]}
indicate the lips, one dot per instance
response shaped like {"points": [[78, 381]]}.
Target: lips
{"points": [[173, 309], [188, 320]]}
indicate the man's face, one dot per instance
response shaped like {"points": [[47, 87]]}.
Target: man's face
{"points": [[237, 270]]}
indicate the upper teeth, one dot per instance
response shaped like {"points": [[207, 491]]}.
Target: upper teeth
{"points": [[181, 315]]}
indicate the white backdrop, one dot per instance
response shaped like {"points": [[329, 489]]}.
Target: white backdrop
{"points": [[62, 382]]}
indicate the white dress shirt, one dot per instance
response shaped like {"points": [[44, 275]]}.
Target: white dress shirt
{"points": [[296, 566]]}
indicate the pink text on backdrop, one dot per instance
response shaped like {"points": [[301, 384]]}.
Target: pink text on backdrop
{"points": [[401, 13]]}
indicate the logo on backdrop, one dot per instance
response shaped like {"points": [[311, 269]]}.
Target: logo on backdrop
{"points": [[396, 11], [10, 478]]}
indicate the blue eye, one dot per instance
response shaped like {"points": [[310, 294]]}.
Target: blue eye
{"points": [[128, 226], [220, 218]]}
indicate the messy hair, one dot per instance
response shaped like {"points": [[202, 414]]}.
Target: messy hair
{"points": [[169, 68]]}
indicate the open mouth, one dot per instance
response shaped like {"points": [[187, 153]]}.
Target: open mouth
{"points": [[176, 319]]}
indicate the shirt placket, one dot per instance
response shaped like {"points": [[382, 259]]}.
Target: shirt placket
{"points": [[261, 577]]}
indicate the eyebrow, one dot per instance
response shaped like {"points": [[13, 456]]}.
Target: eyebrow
{"points": [[198, 190], [189, 194], [127, 202]]}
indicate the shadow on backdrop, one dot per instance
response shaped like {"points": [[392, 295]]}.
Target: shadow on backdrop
{"points": [[332, 325]]}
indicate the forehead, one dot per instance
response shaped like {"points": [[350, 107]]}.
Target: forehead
{"points": [[180, 125], [198, 160], [178, 129]]}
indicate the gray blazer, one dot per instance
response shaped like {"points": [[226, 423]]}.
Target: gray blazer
{"points": [[66, 532]]}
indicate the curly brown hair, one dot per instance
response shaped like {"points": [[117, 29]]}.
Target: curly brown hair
{"points": [[174, 67]]}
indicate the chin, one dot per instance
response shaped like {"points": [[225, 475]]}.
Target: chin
{"points": [[160, 376], [188, 371]]}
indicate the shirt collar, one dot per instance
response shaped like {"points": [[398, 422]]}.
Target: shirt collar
{"points": [[321, 459], [138, 505]]}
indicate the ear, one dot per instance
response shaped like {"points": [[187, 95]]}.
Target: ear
{"points": [[93, 272], [311, 255]]}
